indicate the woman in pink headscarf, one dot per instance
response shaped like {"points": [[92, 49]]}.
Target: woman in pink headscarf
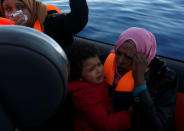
{"points": [[141, 81]]}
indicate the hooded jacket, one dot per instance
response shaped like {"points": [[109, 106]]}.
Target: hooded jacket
{"points": [[93, 108]]}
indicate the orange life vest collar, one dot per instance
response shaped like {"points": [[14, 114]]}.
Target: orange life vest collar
{"points": [[37, 25], [4, 21], [109, 68], [125, 84]]}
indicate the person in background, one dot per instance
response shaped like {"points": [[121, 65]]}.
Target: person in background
{"points": [[90, 94], [47, 18], [139, 79]]}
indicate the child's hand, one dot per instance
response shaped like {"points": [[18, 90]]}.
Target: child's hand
{"points": [[139, 68], [19, 19]]}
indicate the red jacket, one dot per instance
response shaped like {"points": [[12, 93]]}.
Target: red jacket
{"points": [[94, 108]]}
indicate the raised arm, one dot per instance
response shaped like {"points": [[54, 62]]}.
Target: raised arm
{"points": [[63, 26]]}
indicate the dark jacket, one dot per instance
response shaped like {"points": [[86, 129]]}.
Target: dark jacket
{"points": [[61, 27], [153, 109], [93, 108]]}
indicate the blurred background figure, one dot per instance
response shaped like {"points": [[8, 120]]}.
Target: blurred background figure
{"points": [[48, 19]]}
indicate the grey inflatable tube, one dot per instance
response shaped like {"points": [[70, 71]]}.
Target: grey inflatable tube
{"points": [[33, 77]]}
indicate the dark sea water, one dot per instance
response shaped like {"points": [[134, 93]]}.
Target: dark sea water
{"points": [[108, 18]]}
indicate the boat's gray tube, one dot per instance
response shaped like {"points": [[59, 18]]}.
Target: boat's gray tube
{"points": [[33, 77]]}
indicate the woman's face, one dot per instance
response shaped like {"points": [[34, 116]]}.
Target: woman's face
{"points": [[124, 57], [93, 71], [11, 6]]}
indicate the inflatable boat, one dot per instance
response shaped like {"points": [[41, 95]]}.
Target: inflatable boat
{"points": [[33, 81]]}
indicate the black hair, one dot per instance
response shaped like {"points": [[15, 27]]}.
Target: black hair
{"points": [[77, 54], [2, 1], [2, 10]]}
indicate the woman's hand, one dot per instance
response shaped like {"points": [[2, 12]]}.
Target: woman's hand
{"points": [[19, 19], [139, 68]]}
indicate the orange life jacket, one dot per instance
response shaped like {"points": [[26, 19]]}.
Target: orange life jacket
{"points": [[125, 84], [37, 25], [4, 21]]}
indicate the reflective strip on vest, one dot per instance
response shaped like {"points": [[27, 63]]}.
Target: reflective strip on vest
{"points": [[125, 84], [37, 25]]}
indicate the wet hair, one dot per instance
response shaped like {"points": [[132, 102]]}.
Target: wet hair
{"points": [[77, 54]]}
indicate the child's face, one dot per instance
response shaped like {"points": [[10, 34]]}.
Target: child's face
{"points": [[93, 71], [11, 6]]}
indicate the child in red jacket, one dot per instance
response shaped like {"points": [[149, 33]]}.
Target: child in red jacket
{"points": [[90, 94]]}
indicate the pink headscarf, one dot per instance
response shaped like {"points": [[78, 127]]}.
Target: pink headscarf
{"points": [[144, 40]]}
